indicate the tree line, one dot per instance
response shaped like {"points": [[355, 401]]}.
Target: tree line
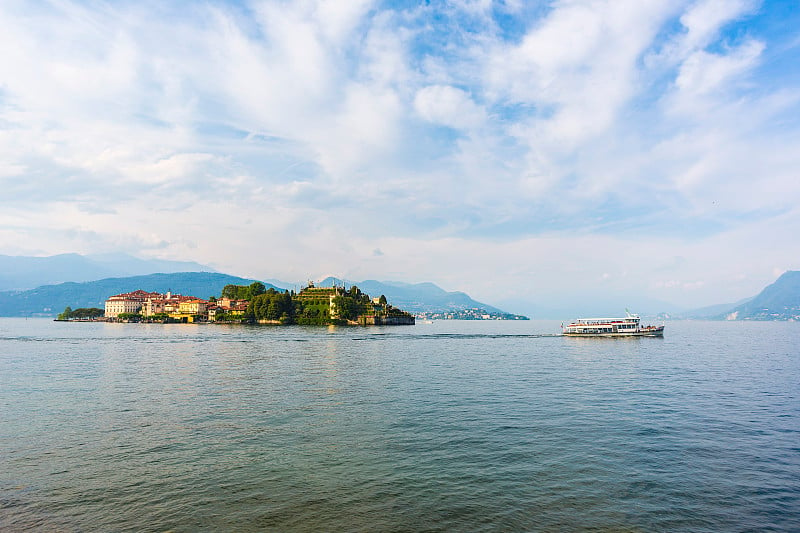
{"points": [[283, 306], [80, 313], [244, 292]]}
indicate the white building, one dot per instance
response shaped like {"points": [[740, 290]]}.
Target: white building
{"points": [[129, 302]]}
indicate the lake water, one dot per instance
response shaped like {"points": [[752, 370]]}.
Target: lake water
{"points": [[450, 426]]}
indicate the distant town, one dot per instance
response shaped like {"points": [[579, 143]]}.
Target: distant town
{"points": [[469, 314]]}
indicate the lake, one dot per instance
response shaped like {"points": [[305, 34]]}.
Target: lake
{"points": [[449, 426]]}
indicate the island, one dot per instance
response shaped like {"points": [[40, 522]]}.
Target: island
{"points": [[253, 304]]}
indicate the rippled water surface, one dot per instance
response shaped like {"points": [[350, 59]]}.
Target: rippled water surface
{"points": [[450, 426]]}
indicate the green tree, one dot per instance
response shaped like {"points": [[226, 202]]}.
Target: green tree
{"points": [[87, 312], [345, 307], [273, 310], [256, 289], [230, 291]]}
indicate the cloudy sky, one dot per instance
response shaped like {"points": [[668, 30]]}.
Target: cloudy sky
{"points": [[528, 153]]}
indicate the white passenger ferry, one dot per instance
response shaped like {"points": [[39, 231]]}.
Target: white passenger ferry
{"points": [[611, 327]]}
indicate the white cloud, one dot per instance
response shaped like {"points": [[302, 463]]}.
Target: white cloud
{"points": [[339, 18], [702, 23], [311, 124], [704, 19], [576, 70], [579, 55], [277, 86], [448, 106], [364, 130], [703, 72]]}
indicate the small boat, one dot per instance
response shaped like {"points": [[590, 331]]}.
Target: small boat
{"points": [[629, 326]]}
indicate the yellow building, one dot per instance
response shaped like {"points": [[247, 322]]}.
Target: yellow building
{"points": [[193, 307], [188, 309]]}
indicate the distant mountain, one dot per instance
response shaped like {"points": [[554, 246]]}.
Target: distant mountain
{"points": [[50, 300], [713, 312], [415, 297], [778, 301], [25, 272]]}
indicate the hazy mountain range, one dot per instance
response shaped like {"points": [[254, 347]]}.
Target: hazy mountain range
{"points": [[778, 301], [50, 300], [89, 280], [414, 297], [711, 312], [26, 272]]}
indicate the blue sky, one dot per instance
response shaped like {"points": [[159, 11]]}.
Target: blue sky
{"points": [[528, 153]]}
